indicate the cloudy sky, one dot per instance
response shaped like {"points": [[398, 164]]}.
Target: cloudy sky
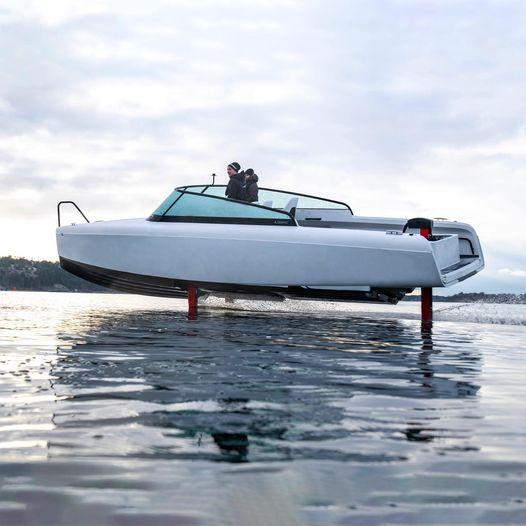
{"points": [[401, 107]]}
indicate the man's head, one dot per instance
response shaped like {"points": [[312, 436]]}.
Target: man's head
{"points": [[233, 169]]}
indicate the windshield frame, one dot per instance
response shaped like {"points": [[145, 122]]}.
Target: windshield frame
{"points": [[288, 219], [206, 186]]}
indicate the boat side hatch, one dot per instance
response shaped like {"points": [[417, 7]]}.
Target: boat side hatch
{"points": [[446, 250]]}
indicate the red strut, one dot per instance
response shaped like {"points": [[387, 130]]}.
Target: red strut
{"points": [[192, 299], [426, 301]]}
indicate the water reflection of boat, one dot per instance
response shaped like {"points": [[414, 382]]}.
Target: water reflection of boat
{"points": [[291, 245], [239, 388]]}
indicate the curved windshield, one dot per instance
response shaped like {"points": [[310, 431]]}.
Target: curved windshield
{"points": [[195, 207], [283, 200], [277, 198]]}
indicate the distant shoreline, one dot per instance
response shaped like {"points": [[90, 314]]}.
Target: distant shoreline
{"points": [[24, 275], [475, 297], [501, 299]]}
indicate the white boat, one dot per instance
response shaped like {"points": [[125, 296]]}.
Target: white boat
{"points": [[286, 245]]}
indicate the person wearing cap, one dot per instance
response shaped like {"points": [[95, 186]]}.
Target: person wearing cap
{"points": [[251, 186], [235, 187]]}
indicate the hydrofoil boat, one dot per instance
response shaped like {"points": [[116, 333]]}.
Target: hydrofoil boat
{"points": [[287, 245]]}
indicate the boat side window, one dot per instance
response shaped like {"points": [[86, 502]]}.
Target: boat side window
{"points": [[281, 199], [183, 206], [312, 202]]}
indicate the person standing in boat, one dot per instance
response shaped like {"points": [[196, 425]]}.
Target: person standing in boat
{"points": [[235, 187], [251, 186]]}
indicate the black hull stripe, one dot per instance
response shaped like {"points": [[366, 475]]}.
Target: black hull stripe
{"points": [[173, 288], [122, 281]]}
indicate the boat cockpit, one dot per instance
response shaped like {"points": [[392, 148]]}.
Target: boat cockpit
{"points": [[208, 204]]}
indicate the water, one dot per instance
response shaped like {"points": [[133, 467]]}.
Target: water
{"points": [[119, 410]]}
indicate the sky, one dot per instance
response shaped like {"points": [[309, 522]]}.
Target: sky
{"points": [[402, 108]]}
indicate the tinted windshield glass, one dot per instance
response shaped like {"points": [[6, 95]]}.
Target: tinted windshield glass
{"points": [[189, 205], [169, 201]]}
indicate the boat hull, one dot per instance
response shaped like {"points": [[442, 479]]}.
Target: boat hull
{"points": [[164, 258]]}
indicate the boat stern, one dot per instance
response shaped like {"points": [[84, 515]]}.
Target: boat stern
{"points": [[457, 251]]}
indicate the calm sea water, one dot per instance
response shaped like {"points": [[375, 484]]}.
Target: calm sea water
{"points": [[119, 410]]}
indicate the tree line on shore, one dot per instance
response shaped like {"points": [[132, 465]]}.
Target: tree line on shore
{"points": [[24, 274]]}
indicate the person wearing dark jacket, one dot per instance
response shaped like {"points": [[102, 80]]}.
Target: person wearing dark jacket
{"points": [[251, 186], [235, 187]]}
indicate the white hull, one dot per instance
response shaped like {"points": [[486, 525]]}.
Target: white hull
{"points": [[358, 253]]}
